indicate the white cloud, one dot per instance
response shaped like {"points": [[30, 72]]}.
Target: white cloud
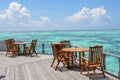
{"points": [[14, 12], [41, 22], [79, 15], [95, 16], [18, 15]]}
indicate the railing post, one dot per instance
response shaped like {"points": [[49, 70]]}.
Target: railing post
{"points": [[43, 49], [104, 65], [119, 67], [76, 54]]}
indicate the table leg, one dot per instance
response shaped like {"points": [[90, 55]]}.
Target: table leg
{"points": [[68, 62], [72, 57], [24, 49], [80, 59], [83, 53], [18, 47]]}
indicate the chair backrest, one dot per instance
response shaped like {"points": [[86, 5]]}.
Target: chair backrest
{"points": [[33, 45], [95, 55], [56, 49], [9, 44], [12, 39], [67, 43]]}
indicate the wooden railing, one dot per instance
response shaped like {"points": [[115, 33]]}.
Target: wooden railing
{"points": [[2, 46], [43, 50], [104, 63]]}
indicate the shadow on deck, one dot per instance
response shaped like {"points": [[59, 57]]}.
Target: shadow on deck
{"points": [[84, 74]]}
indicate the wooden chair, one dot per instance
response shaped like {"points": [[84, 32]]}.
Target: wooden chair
{"points": [[31, 49], [12, 40], [94, 60], [58, 55], [11, 47], [7, 47], [67, 44]]}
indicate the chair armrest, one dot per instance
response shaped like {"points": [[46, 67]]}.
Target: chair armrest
{"points": [[83, 58]]}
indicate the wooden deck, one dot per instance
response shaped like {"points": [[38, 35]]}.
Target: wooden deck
{"points": [[38, 68]]}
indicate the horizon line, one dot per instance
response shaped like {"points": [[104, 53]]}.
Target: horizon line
{"points": [[60, 30]]}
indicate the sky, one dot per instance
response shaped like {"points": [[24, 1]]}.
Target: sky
{"points": [[43, 15]]}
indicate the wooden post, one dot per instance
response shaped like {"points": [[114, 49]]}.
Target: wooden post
{"points": [[43, 49], [76, 55], [119, 67], [80, 59], [104, 65]]}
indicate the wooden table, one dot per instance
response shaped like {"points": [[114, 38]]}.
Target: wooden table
{"points": [[21, 43], [73, 50]]}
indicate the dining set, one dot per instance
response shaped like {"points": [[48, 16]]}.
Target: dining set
{"points": [[20, 47], [64, 53]]}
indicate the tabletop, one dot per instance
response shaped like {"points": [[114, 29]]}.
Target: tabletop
{"points": [[21, 42], [75, 49]]}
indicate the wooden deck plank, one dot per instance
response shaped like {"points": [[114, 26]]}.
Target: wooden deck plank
{"points": [[40, 72], [34, 71], [65, 74], [52, 72], [57, 74], [10, 73], [38, 68], [46, 72], [16, 73], [2, 73], [20, 72], [27, 73]]}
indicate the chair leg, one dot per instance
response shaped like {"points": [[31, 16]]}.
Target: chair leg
{"points": [[81, 69], [57, 65], [94, 69], [6, 53], [64, 63], [35, 52], [30, 53], [24, 53], [102, 71], [52, 62], [88, 72], [13, 54]]}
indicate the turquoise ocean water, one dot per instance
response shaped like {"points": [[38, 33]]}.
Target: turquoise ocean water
{"points": [[110, 39]]}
